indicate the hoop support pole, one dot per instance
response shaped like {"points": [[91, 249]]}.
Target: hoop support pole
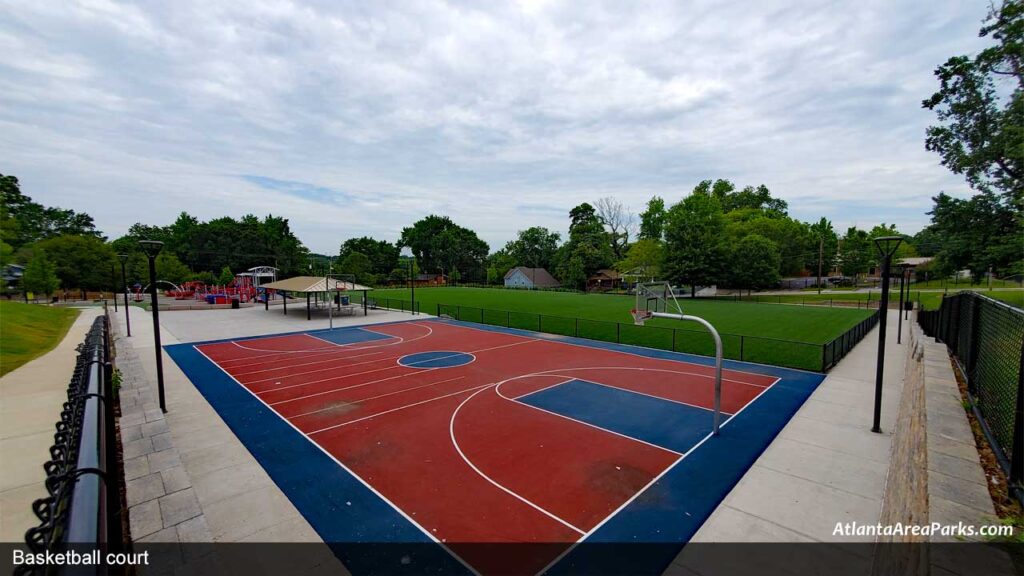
{"points": [[718, 360]]}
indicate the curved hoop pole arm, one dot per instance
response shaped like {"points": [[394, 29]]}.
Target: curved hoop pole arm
{"points": [[718, 360]]}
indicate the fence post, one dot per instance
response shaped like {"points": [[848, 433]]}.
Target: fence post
{"points": [[439, 309], [577, 332], [508, 319], [674, 339], [972, 362], [618, 333], [742, 338]]}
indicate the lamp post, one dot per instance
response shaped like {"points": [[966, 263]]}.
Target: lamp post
{"points": [[113, 279], [124, 284], [899, 315], [886, 246], [152, 248]]}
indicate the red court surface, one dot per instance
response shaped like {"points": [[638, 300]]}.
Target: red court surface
{"points": [[456, 449]]}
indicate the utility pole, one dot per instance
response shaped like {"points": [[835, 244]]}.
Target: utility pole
{"points": [[821, 249]]}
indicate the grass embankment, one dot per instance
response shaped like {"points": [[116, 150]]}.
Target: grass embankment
{"points": [[28, 331], [783, 335]]}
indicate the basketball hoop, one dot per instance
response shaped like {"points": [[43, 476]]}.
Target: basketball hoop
{"points": [[641, 316]]}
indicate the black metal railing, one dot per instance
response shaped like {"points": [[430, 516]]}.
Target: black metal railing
{"points": [[775, 351], [986, 338], [83, 505]]}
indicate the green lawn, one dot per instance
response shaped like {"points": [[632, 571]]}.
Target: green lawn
{"points": [[1016, 298], [774, 334], [30, 330], [928, 300]]}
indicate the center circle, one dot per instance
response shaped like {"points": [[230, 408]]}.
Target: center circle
{"points": [[436, 359]]}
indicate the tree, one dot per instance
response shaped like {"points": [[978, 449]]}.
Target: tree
{"points": [[534, 247], [981, 132], [81, 262], [33, 221], [572, 273], [793, 238], [442, 245], [906, 248], [499, 263], [360, 266], [587, 250], [619, 222], [976, 234], [237, 244], [170, 269], [644, 257], [695, 253], [652, 220], [823, 255], [382, 254], [856, 252], [755, 263], [40, 275], [226, 276]]}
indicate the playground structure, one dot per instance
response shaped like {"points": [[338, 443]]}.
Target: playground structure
{"points": [[246, 287]]}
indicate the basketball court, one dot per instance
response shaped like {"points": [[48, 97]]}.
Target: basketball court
{"points": [[439, 446]]}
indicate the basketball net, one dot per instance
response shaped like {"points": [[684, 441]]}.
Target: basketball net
{"points": [[654, 297]]}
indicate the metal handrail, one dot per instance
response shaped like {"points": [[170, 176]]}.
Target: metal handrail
{"points": [[83, 495]]}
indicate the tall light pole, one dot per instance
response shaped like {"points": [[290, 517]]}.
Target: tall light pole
{"points": [[886, 246], [899, 315], [152, 248], [124, 285], [113, 279]]}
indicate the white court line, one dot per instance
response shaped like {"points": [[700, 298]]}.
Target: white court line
{"points": [[544, 388], [471, 353], [361, 400], [399, 408], [347, 347], [279, 351], [328, 370], [294, 365], [652, 482], [497, 389], [347, 469], [333, 390], [455, 443]]}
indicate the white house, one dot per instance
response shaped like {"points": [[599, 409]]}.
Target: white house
{"points": [[523, 277]]}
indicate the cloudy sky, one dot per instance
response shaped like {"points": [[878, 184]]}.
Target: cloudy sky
{"points": [[353, 118]]}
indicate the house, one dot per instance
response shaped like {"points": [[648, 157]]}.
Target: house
{"points": [[431, 280], [911, 262], [523, 277], [602, 280], [12, 274]]}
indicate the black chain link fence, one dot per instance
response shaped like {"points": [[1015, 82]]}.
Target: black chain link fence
{"points": [[774, 351], [986, 338]]}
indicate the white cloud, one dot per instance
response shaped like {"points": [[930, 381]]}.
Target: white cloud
{"points": [[497, 115]]}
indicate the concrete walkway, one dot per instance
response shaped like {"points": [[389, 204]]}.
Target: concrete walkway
{"points": [[189, 478], [31, 398], [826, 466]]}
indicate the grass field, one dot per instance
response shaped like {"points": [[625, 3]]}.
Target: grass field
{"points": [[28, 331], [773, 334]]}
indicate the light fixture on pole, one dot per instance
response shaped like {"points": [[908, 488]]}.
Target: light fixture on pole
{"points": [[124, 284], [886, 246], [152, 248]]}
